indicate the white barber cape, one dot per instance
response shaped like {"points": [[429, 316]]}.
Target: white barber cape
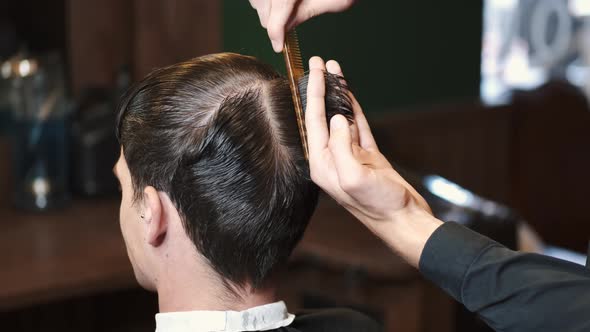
{"points": [[262, 318]]}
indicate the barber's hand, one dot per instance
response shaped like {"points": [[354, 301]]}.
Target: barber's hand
{"points": [[345, 160], [279, 16]]}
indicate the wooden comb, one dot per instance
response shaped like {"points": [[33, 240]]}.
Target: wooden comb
{"points": [[294, 64]]}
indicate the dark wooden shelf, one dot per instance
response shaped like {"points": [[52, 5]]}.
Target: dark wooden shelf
{"points": [[55, 255], [80, 251]]}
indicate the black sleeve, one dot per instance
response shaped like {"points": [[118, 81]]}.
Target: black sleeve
{"points": [[511, 291]]}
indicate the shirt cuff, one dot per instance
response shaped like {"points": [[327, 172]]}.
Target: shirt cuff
{"points": [[448, 254]]}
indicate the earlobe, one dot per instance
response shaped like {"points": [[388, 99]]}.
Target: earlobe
{"points": [[153, 216]]}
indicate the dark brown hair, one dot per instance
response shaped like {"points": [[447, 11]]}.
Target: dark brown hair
{"points": [[218, 134]]}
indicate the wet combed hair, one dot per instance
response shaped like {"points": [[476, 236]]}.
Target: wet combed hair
{"points": [[218, 134]]}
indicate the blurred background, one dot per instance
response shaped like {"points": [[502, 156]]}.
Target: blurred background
{"points": [[483, 105]]}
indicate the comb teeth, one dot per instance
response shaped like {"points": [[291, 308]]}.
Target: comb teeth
{"points": [[294, 50], [294, 63]]}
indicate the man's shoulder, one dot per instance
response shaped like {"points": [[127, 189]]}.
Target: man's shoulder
{"points": [[335, 320]]}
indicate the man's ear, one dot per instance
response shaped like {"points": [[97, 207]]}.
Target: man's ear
{"points": [[154, 216]]}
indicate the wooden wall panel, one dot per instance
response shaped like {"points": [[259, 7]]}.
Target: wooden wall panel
{"points": [[105, 35], [100, 40], [170, 31], [466, 143], [552, 163], [531, 155]]}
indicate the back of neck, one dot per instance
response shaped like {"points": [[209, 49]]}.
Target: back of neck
{"points": [[210, 295]]}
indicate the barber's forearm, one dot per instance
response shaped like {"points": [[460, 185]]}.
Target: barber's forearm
{"points": [[407, 232]]}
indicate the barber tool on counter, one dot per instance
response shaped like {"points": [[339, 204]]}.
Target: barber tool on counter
{"points": [[39, 148], [94, 147]]}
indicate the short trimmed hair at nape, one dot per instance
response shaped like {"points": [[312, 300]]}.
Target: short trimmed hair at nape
{"points": [[218, 134]]}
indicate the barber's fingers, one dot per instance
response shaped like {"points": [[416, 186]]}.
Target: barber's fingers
{"points": [[315, 111], [317, 63], [263, 9], [312, 8], [287, 14], [350, 171], [365, 137], [333, 67], [280, 13]]}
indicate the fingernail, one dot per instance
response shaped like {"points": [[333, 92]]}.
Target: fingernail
{"points": [[276, 46], [338, 123]]}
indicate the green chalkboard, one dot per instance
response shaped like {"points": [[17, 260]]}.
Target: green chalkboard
{"points": [[394, 53]]}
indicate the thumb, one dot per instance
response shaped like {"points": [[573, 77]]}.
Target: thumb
{"points": [[340, 144]]}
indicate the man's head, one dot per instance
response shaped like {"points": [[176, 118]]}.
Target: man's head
{"points": [[213, 142]]}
